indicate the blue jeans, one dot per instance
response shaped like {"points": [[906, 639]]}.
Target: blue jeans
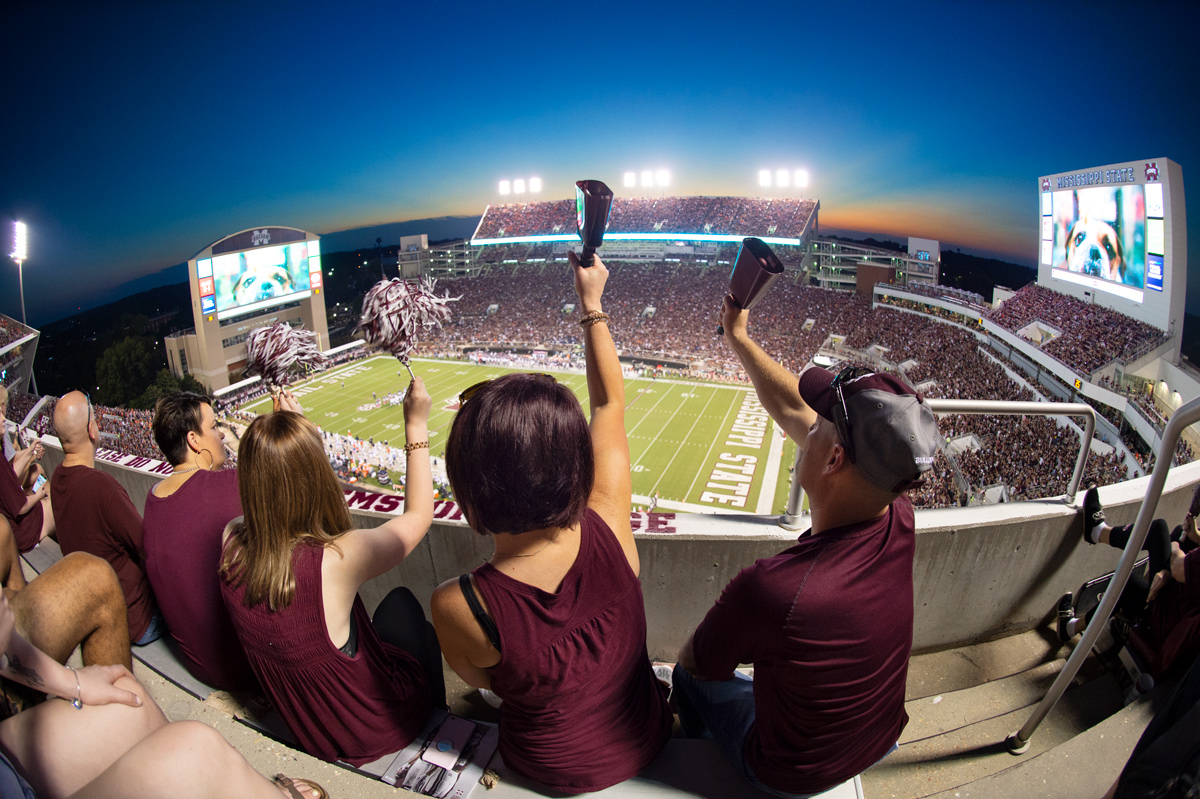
{"points": [[156, 630], [724, 711]]}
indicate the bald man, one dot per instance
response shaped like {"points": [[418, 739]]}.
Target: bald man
{"points": [[95, 515]]}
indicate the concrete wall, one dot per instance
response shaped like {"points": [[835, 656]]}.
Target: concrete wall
{"points": [[980, 572]]}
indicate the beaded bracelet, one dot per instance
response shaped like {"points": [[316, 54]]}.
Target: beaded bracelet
{"points": [[409, 448], [595, 317]]}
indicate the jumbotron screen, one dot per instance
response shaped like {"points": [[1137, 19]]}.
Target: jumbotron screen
{"points": [[240, 282], [1101, 234]]}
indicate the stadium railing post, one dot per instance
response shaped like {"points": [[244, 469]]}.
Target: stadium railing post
{"points": [[791, 519]]}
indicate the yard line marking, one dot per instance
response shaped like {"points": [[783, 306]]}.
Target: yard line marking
{"points": [[667, 468], [704, 460], [660, 429]]}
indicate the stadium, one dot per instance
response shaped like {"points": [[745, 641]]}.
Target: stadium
{"points": [[1093, 357]]}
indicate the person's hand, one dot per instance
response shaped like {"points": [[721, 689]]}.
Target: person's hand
{"points": [[733, 319], [8, 623], [589, 281], [1157, 583], [417, 402], [1177, 558], [286, 401], [96, 686]]}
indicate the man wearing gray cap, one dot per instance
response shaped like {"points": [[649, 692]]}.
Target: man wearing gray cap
{"points": [[827, 624]]}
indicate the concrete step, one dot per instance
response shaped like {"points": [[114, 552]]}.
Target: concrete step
{"points": [[1084, 767], [955, 756], [955, 669]]}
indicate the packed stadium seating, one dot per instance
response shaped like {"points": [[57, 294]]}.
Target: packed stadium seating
{"points": [[741, 216], [10, 332], [1092, 335]]}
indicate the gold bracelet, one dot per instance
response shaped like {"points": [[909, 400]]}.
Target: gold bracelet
{"points": [[410, 448], [595, 317]]}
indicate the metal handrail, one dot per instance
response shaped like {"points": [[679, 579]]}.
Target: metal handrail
{"points": [[791, 519], [1187, 414]]}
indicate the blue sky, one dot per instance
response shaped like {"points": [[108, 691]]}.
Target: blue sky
{"points": [[136, 134]]}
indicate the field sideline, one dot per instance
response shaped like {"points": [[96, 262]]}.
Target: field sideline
{"points": [[701, 446]]}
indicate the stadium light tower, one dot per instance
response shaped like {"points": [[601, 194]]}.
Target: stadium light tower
{"points": [[19, 254], [505, 187], [630, 179]]}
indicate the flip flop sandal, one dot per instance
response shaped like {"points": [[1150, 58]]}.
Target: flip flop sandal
{"points": [[292, 784]]}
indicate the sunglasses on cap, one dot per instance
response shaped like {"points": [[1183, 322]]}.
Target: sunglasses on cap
{"points": [[841, 416], [471, 391]]}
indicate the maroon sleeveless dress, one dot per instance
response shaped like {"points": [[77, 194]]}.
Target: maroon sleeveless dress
{"points": [[355, 709], [582, 708]]}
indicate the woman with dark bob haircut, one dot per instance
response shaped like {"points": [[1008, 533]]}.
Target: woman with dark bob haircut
{"points": [[554, 623], [350, 688]]}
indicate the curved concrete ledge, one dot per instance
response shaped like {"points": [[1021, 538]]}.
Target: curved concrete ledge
{"points": [[980, 573]]}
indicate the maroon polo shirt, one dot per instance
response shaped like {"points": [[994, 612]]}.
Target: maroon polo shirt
{"points": [[94, 514], [828, 626]]}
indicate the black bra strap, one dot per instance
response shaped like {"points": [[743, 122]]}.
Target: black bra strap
{"points": [[481, 616]]}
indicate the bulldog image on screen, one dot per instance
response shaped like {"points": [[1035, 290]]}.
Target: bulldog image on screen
{"points": [[262, 282], [1094, 248]]}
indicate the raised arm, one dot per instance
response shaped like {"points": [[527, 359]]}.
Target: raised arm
{"points": [[371, 552], [777, 388], [611, 494]]}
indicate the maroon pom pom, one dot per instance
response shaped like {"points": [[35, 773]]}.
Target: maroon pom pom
{"points": [[274, 352], [395, 312]]}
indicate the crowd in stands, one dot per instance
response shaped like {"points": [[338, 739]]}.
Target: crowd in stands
{"points": [[740, 216], [1091, 335], [680, 328], [11, 331], [668, 312]]}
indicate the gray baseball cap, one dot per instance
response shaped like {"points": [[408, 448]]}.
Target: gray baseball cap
{"points": [[893, 434]]}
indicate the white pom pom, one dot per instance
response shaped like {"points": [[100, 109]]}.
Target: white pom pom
{"points": [[275, 351], [395, 311]]}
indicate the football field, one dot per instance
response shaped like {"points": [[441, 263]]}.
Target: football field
{"points": [[699, 446]]}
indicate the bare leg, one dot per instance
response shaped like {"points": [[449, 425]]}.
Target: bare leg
{"points": [[184, 760], [60, 749], [76, 601], [11, 577]]}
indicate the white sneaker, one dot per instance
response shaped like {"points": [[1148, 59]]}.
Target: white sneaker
{"points": [[665, 673]]}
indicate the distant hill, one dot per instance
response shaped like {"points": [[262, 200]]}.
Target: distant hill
{"points": [[443, 228]]}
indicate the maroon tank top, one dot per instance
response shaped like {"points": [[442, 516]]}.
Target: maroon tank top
{"points": [[582, 708], [355, 709]]}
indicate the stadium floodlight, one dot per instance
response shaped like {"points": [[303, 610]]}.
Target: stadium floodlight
{"points": [[535, 185], [20, 247], [505, 187], [630, 179], [19, 253], [647, 179], [782, 178], [662, 177], [802, 178], [519, 186], [764, 177]]}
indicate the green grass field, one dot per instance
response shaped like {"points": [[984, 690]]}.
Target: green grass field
{"points": [[701, 446]]}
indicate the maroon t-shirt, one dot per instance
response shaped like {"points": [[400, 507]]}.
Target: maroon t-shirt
{"points": [[93, 514], [582, 708], [828, 626], [355, 709], [27, 528], [183, 555]]}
